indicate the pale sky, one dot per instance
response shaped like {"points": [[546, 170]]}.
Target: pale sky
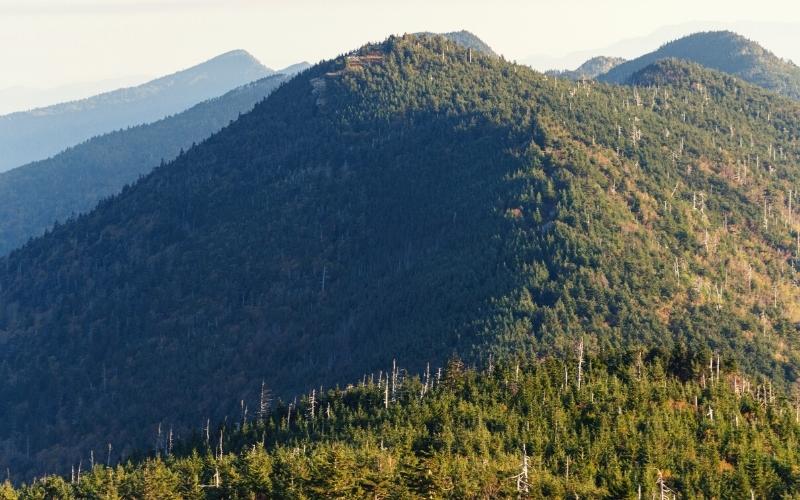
{"points": [[49, 43]]}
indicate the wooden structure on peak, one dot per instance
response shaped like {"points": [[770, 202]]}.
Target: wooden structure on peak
{"points": [[359, 61]]}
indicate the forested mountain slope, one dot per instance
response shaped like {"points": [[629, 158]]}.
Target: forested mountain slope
{"points": [[37, 134], [724, 51], [405, 202], [618, 427], [35, 196]]}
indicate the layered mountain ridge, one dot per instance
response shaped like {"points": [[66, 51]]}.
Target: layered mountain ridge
{"points": [[590, 69], [37, 134], [406, 201], [35, 196], [723, 51]]}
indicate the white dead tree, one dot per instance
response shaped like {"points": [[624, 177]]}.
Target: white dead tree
{"points": [[711, 369], [263, 402], [159, 440], [215, 480], [427, 377], [664, 492], [522, 477], [394, 380], [312, 401], [169, 443]]}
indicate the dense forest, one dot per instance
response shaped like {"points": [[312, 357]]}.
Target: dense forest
{"points": [[411, 200], [632, 425], [723, 51], [33, 197]]}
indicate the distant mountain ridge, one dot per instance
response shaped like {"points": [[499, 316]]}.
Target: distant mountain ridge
{"points": [[723, 51], [20, 98], [34, 196], [465, 39], [592, 68], [673, 71], [40, 133]]}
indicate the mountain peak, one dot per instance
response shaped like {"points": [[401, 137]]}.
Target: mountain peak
{"points": [[724, 51], [239, 56]]}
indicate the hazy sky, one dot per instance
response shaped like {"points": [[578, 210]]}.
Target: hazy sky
{"points": [[47, 43]]}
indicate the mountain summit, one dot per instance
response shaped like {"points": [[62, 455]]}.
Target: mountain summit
{"points": [[723, 51], [37, 134]]}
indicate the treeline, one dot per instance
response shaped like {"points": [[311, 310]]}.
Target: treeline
{"points": [[612, 426]]}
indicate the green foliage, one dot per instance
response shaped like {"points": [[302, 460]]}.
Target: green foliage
{"points": [[7, 491], [464, 437]]}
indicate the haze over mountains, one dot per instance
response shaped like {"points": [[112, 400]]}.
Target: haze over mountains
{"points": [[407, 201], [779, 36], [34, 196], [22, 98], [40, 133], [724, 51]]}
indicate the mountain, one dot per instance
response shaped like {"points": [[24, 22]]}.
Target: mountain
{"points": [[34, 196], [294, 68], [465, 39], [724, 51], [406, 202], [592, 68], [21, 98], [37, 134]]}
